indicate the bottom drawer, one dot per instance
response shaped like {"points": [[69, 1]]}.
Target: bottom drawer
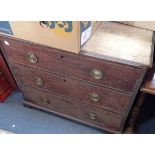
{"points": [[72, 109]]}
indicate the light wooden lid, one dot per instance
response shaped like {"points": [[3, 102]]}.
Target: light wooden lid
{"points": [[121, 43]]}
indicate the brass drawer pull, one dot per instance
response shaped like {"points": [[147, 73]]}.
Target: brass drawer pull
{"points": [[44, 101], [96, 74], [39, 82], [92, 116], [94, 97], [32, 58]]}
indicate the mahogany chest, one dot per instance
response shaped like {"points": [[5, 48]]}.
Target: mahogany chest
{"points": [[96, 87], [96, 92]]}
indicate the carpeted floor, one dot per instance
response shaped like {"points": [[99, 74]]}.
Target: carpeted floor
{"points": [[14, 117]]}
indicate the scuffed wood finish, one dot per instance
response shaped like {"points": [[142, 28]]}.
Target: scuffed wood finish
{"points": [[76, 110], [121, 42], [115, 75], [148, 85], [109, 99]]}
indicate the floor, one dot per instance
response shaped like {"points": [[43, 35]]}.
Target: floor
{"points": [[16, 118]]}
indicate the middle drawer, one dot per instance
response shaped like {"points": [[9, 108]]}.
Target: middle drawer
{"points": [[70, 88]]}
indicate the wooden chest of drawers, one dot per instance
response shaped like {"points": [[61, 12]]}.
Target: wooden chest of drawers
{"points": [[97, 92]]}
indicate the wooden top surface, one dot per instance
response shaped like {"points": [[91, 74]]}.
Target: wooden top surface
{"points": [[148, 85], [121, 43]]}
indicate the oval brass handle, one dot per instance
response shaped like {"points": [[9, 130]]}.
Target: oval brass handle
{"points": [[32, 58], [94, 97], [92, 116], [96, 74], [45, 101], [38, 81]]}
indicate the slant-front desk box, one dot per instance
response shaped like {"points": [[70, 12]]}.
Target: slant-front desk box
{"points": [[64, 35]]}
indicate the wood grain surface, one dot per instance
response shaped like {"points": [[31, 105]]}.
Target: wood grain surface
{"points": [[72, 109], [69, 88], [121, 43], [115, 75]]}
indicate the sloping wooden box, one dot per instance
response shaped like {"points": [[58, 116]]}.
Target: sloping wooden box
{"points": [[122, 43]]}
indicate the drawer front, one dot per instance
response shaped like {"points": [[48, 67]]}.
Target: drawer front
{"points": [[71, 88], [82, 67], [72, 109]]}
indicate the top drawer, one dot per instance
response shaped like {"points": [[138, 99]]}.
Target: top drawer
{"points": [[97, 71]]}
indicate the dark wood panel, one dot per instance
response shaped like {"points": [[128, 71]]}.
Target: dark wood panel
{"points": [[70, 88], [5, 69], [75, 110], [115, 75]]}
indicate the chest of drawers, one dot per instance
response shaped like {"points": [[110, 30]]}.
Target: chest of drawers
{"points": [[96, 92]]}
